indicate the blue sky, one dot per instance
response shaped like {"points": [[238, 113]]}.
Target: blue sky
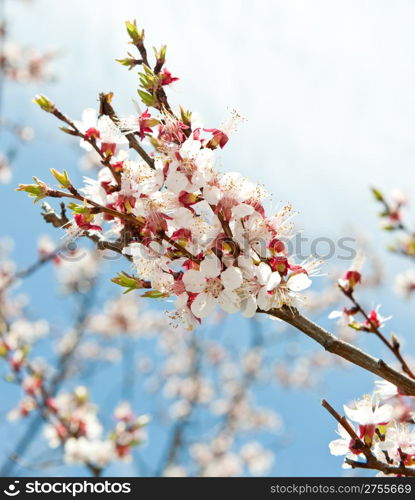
{"points": [[327, 92]]}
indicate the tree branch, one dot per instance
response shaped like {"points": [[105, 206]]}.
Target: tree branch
{"points": [[371, 461], [107, 110], [393, 346], [343, 349], [51, 217]]}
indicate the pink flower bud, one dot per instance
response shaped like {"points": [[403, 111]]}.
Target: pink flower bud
{"points": [[92, 133], [167, 78], [276, 246], [83, 221], [279, 264], [353, 278], [219, 138]]}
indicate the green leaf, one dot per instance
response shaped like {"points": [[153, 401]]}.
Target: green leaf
{"points": [[377, 194], [4, 350], [154, 294], [38, 191], [127, 281], [160, 55], [78, 209], [130, 62], [355, 325], [44, 103], [186, 116], [62, 178], [69, 131], [147, 98], [135, 35]]}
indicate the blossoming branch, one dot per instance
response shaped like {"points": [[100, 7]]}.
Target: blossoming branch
{"points": [[192, 234]]}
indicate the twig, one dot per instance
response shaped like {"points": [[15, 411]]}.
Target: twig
{"points": [[343, 349], [54, 193], [394, 346], [177, 433], [371, 461], [63, 363], [32, 268], [105, 160], [108, 110], [51, 217]]}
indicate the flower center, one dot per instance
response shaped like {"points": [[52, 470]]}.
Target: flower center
{"points": [[249, 288], [214, 287], [187, 167]]}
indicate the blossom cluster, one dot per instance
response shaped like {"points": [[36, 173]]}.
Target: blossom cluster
{"points": [[193, 234], [22, 65], [77, 428], [372, 320], [384, 439], [203, 239], [202, 378], [183, 385], [384, 423], [71, 420], [23, 134], [393, 218], [75, 268]]}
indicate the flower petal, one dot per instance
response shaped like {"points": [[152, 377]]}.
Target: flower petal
{"points": [[248, 307], [339, 447], [242, 210], [210, 266], [194, 281], [273, 281], [228, 301], [263, 272], [203, 305], [231, 278], [89, 117], [298, 282]]}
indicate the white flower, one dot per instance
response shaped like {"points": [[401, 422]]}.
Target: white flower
{"points": [[399, 437], [254, 233], [23, 332], [89, 121], [257, 458], [103, 128], [213, 287], [385, 390], [138, 178], [353, 275], [368, 412], [93, 188], [98, 453], [185, 314], [341, 446], [343, 317], [405, 283], [258, 281], [50, 432], [148, 261], [175, 471], [233, 191], [400, 197], [298, 282], [5, 170], [193, 171]]}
